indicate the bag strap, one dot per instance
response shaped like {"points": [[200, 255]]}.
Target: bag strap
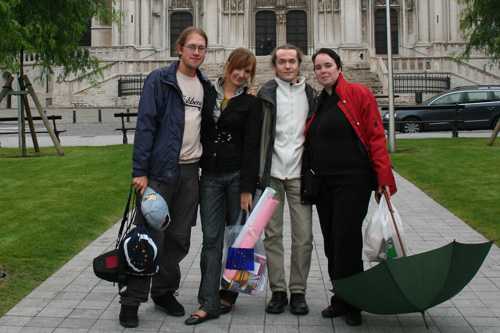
{"points": [[242, 218], [122, 278], [125, 216]]}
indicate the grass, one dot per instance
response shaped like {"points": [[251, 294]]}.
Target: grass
{"points": [[52, 207], [461, 174]]}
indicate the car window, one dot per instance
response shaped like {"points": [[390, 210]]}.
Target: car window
{"points": [[497, 95], [477, 96], [448, 99]]}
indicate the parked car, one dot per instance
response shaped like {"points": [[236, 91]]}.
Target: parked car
{"points": [[478, 108]]}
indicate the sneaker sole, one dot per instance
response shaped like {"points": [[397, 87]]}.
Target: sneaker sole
{"points": [[171, 313], [128, 324]]}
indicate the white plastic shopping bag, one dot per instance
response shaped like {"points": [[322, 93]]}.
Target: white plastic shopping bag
{"points": [[381, 241], [248, 275], [244, 267]]}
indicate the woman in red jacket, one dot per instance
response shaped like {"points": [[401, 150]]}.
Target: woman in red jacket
{"points": [[346, 149]]}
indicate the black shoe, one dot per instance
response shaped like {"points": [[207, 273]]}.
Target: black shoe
{"points": [[169, 304], [298, 304], [353, 318], [195, 319], [331, 312], [128, 316], [277, 303]]}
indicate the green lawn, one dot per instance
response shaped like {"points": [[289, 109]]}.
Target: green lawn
{"points": [[462, 174], [51, 207]]}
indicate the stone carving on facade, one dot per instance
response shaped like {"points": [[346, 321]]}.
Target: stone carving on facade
{"points": [[265, 3], [296, 3], [156, 8], [281, 17], [364, 5], [234, 6], [391, 3], [179, 4], [328, 6], [410, 4], [281, 4]]}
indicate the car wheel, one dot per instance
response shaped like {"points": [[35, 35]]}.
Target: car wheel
{"points": [[495, 122], [411, 125]]}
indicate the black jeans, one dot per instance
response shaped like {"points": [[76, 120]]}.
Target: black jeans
{"points": [[173, 243]]}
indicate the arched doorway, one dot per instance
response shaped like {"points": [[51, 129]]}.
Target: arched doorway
{"points": [[381, 31], [265, 32], [296, 29], [178, 22]]}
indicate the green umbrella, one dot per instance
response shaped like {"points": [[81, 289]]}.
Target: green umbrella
{"points": [[415, 283]]}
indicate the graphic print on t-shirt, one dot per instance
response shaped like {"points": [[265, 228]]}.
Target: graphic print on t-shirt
{"points": [[191, 102]]}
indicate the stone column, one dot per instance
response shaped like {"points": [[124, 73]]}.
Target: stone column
{"points": [[438, 22], [115, 33], [351, 22], [145, 23], [454, 35], [423, 21], [129, 24]]}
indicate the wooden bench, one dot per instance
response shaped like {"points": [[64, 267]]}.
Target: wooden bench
{"points": [[52, 117], [125, 128]]}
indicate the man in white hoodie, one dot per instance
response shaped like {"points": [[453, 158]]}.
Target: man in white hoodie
{"points": [[287, 102]]}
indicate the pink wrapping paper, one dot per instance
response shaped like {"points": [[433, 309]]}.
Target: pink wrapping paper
{"points": [[253, 232]]}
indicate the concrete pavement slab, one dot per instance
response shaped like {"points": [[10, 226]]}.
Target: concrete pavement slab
{"points": [[73, 299]]}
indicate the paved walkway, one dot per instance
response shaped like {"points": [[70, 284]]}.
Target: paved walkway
{"points": [[74, 300]]}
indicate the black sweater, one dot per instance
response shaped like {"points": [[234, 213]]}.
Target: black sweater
{"points": [[332, 143]]}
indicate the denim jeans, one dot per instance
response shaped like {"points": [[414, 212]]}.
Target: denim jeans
{"points": [[219, 206]]}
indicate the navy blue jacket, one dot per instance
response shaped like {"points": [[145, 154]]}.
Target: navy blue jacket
{"points": [[160, 125]]}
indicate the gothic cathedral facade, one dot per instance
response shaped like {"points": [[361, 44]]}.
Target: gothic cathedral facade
{"points": [[354, 28]]}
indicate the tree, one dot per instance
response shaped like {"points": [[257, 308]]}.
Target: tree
{"points": [[480, 26], [50, 31]]}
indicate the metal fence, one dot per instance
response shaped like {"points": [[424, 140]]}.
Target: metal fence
{"points": [[130, 85], [409, 83]]}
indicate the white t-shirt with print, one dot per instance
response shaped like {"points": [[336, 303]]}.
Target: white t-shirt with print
{"points": [[192, 94]]}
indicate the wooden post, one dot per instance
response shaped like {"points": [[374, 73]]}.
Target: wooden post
{"points": [[27, 108], [6, 88], [494, 134], [43, 116]]}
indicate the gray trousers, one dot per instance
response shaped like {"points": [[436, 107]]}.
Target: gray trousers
{"points": [[173, 243], [302, 238]]}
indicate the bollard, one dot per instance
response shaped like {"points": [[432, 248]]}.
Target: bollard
{"points": [[74, 116], [128, 117], [99, 116], [418, 97]]}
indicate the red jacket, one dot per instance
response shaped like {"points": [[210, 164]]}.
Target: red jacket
{"points": [[360, 107]]}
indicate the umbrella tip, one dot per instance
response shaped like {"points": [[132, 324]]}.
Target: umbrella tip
{"points": [[425, 320]]}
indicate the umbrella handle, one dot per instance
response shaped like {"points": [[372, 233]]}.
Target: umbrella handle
{"points": [[388, 200]]}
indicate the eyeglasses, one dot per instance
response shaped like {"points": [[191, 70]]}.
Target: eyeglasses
{"points": [[193, 48]]}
